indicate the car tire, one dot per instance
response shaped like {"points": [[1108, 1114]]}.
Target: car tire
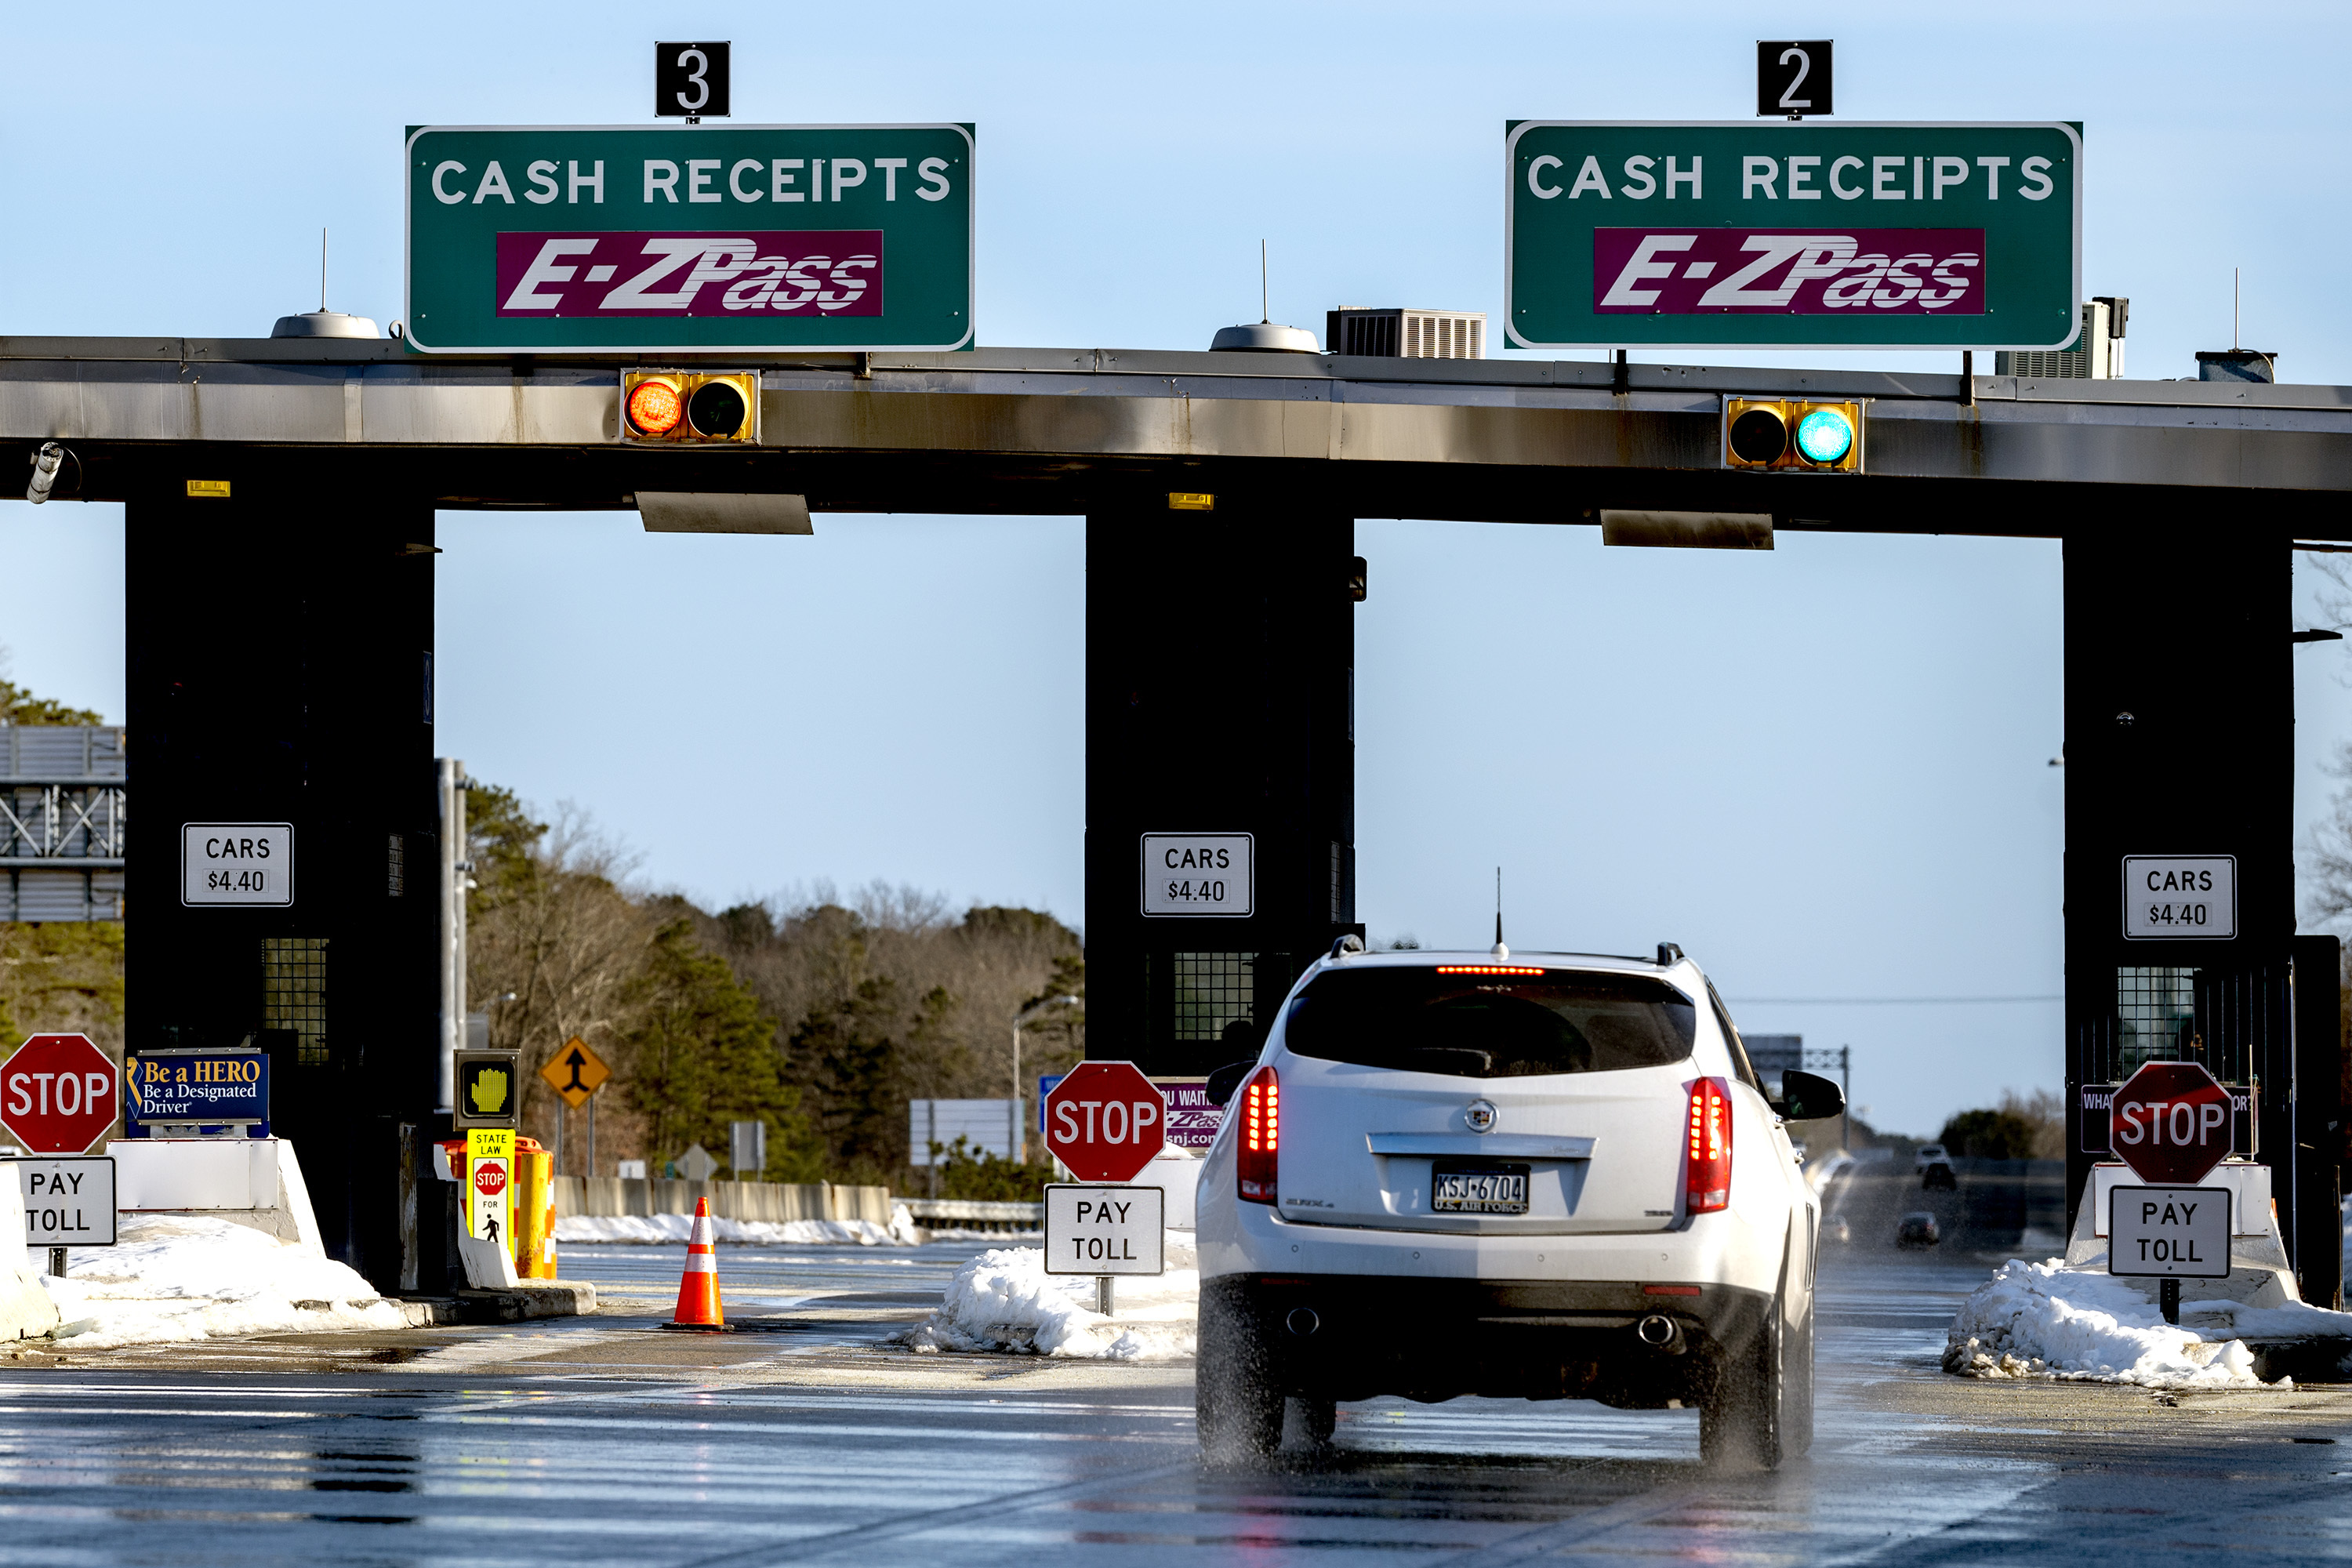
{"points": [[1313, 1419], [1237, 1411], [1743, 1420]]}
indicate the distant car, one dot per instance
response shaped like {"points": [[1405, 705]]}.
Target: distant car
{"points": [[1917, 1230], [1928, 1155], [1836, 1229], [1938, 1178]]}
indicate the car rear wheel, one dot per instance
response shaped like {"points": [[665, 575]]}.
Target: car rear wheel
{"points": [[1237, 1412], [1743, 1423], [1314, 1420]]}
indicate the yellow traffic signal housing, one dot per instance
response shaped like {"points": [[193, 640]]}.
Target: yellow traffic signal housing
{"points": [[696, 407], [1803, 434]]}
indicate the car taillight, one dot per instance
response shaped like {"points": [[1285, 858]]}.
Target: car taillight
{"points": [[1261, 1136], [1706, 1184]]}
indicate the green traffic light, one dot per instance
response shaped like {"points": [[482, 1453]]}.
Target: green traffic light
{"points": [[1824, 435]]}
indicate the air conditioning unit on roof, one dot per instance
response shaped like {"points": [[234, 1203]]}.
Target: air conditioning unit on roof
{"points": [[1406, 334], [2097, 353]]}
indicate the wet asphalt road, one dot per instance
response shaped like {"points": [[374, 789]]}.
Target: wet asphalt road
{"points": [[602, 1440]]}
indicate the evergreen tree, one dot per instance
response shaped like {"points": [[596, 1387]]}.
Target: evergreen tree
{"points": [[703, 1054]]}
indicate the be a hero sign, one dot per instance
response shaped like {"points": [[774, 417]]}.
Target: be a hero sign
{"points": [[1105, 1120]]}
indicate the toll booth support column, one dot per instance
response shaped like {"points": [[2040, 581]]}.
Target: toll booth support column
{"points": [[1220, 771], [2180, 880], [280, 689]]}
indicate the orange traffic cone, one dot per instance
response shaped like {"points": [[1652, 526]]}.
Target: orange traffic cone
{"points": [[697, 1288]]}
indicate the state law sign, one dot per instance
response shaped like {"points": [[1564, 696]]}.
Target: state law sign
{"points": [[1792, 234], [683, 239], [1105, 1120]]}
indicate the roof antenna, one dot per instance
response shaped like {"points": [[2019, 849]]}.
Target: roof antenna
{"points": [[1499, 950], [323, 269], [1265, 293], [2233, 310]]}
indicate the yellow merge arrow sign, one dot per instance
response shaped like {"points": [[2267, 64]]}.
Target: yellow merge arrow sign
{"points": [[575, 1072]]}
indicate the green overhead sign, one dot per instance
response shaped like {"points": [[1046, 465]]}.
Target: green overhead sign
{"points": [[1793, 235], [684, 239]]}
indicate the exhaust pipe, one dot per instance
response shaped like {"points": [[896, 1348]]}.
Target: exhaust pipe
{"points": [[1658, 1331], [1303, 1322]]}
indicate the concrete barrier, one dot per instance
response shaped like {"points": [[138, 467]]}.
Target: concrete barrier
{"points": [[25, 1309], [254, 1181], [775, 1202], [974, 1213]]}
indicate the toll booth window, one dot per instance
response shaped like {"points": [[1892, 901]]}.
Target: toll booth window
{"points": [[1485, 1025], [2155, 1017], [294, 992], [1213, 990]]}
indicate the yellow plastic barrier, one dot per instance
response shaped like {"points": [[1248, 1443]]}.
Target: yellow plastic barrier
{"points": [[534, 1211]]}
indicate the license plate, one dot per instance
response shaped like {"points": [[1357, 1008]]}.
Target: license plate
{"points": [[1478, 1189]]}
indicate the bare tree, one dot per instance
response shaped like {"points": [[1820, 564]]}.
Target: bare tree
{"points": [[557, 928]]}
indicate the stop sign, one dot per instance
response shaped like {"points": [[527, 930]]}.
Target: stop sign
{"points": [[2171, 1124], [58, 1094], [1104, 1121]]}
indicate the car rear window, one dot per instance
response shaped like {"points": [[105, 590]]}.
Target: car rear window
{"points": [[1475, 1022]]}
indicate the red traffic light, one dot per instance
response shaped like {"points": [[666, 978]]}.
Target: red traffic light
{"points": [[654, 408]]}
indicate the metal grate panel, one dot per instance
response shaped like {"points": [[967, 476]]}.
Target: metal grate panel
{"points": [[1213, 990], [294, 992]]}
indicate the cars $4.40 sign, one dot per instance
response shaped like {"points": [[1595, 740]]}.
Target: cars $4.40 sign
{"points": [[1793, 235], [656, 239]]}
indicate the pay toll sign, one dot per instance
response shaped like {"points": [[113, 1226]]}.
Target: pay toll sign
{"points": [[1104, 1230], [675, 239], [68, 1203], [2176, 1231], [1795, 235]]}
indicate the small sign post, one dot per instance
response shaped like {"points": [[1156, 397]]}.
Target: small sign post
{"points": [[1105, 1231], [58, 1094], [575, 1073], [489, 1185], [68, 1203], [1104, 1121], [2169, 1233]]}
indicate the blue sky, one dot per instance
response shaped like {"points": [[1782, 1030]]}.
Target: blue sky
{"points": [[1823, 770]]}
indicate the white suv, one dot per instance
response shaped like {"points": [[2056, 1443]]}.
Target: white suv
{"points": [[1526, 1175]]}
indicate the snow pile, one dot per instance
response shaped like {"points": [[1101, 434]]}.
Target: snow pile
{"points": [[675, 1228], [177, 1278], [1004, 1300], [2046, 1320]]}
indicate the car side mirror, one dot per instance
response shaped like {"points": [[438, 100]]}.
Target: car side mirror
{"points": [[1228, 1079], [1808, 1097]]}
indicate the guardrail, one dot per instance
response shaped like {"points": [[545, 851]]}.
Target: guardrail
{"points": [[770, 1201], [974, 1213]]}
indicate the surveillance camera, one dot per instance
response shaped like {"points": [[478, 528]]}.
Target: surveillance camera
{"points": [[45, 463]]}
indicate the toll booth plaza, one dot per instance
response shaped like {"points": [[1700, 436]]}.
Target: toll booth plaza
{"points": [[310, 472]]}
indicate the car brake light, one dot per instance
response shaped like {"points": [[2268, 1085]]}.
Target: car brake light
{"points": [[1261, 1136], [1706, 1184]]}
